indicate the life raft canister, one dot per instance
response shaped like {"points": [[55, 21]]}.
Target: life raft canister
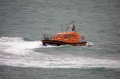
{"points": [[82, 38]]}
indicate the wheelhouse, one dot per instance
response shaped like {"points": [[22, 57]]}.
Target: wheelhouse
{"points": [[70, 37]]}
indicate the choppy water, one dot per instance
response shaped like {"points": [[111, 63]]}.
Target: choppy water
{"points": [[22, 23]]}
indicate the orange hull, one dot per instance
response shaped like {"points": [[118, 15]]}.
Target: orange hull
{"points": [[58, 43]]}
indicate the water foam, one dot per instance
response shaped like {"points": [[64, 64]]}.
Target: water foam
{"points": [[24, 55], [17, 45], [89, 44], [64, 63]]}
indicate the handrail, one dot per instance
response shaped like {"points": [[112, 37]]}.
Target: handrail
{"points": [[47, 37]]}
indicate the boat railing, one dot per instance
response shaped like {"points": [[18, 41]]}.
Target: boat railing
{"points": [[47, 37]]}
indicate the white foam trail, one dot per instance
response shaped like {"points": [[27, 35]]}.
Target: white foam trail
{"points": [[23, 55], [64, 63], [48, 46], [89, 44], [17, 45]]}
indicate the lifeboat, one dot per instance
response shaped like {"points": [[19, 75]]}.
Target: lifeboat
{"points": [[65, 38]]}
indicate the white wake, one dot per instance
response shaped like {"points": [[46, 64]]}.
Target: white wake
{"points": [[14, 51]]}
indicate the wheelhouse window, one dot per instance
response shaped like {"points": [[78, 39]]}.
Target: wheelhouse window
{"points": [[69, 36], [58, 36]]}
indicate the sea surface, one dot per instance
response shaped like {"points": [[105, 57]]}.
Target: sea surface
{"points": [[23, 22]]}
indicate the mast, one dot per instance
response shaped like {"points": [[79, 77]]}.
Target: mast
{"points": [[61, 28], [72, 26], [73, 22]]}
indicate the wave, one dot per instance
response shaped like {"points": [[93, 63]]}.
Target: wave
{"points": [[15, 51], [17, 45], [59, 62], [89, 44]]}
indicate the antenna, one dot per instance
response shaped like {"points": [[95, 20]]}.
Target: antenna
{"points": [[61, 28], [73, 22], [61, 22]]}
